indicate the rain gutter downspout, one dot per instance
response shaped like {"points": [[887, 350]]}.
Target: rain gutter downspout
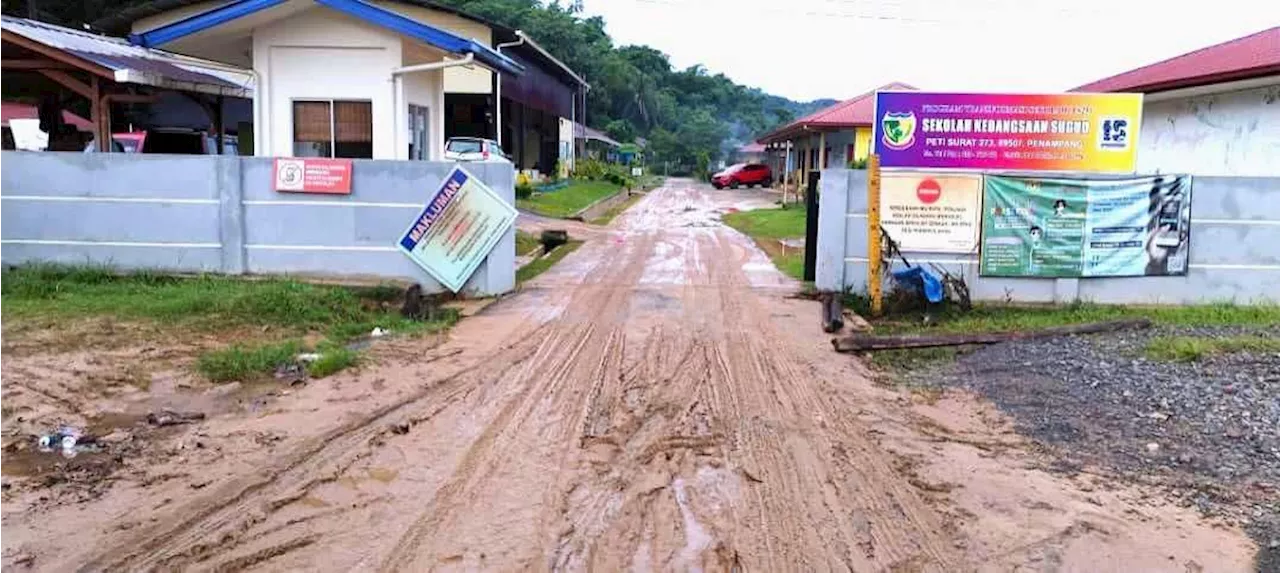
{"points": [[497, 100], [397, 80]]}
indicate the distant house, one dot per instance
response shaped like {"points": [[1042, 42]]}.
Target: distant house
{"points": [[750, 153], [1214, 111], [596, 144], [830, 137]]}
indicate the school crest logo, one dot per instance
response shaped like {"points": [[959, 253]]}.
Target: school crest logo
{"points": [[898, 130]]}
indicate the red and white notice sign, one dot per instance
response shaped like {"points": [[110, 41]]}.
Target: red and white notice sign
{"points": [[313, 175]]}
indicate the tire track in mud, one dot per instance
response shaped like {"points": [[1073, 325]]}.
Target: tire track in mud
{"points": [[656, 422], [215, 522], [538, 424]]}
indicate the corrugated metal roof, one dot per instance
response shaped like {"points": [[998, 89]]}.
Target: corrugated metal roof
{"points": [[1252, 56], [854, 112], [134, 64], [583, 132]]}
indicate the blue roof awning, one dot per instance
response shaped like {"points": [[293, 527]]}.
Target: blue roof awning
{"points": [[359, 9]]}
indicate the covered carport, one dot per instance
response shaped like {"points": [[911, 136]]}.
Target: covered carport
{"points": [[65, 69]]}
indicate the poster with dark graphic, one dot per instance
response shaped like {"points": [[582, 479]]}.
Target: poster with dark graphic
{"points": [[1034, 227]]}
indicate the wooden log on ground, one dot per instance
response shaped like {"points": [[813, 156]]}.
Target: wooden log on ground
{"points": [[832, 312], [865, 342]]}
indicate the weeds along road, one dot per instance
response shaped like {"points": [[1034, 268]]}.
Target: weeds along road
{"points": [[648, 404]]}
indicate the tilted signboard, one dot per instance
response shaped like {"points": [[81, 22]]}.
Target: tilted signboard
{"points": [[462, 221]]}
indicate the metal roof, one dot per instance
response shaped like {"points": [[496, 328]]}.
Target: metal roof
{"points": [[584, 132], [856, 112], [359, 9], [135, 64], [1252, 56]]}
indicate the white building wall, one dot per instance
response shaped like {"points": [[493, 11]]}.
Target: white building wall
{"points": [[424, 89], [458, 80], [1231, 133], [322, 54]]}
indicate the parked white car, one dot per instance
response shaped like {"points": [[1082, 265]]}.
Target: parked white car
{"points": [[472, 149]]}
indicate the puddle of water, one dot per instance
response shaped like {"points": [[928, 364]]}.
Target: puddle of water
{"points": [[696, 538], [35, 463], [312, 501], [108, 422], [384, 475]]}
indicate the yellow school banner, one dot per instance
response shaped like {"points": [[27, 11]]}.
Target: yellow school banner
{"points": [[931, 212]]}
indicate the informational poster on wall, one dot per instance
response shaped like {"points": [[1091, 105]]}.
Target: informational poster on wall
{"points": [[931, 212], [1077, 228], [313, 175], [1023, 132], [461, 223]]}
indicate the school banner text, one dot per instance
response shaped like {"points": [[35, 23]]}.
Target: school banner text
{"points": [[1044, 132]]}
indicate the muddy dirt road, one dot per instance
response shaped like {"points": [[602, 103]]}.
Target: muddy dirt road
{"points": [[655, 402]]}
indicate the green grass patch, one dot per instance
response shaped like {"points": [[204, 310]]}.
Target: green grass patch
{"points": [[1193, 348], [537, 267], [768, 223], [333, 360], [997, 317], [239, 362], [766, 227], [648, 182], [287, 309], [616, 210], [526, 242], [1000, 318], [568, 200]]}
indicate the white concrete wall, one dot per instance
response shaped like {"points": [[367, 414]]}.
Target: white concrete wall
{"points": [[566, 147], [322, 54], [1235, 133]]}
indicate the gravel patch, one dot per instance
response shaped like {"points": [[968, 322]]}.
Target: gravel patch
{"points": [[1206, 432]]}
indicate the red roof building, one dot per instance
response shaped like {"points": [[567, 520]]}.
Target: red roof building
{"points": [[848, 114], [1253, 56], [833, 136], [1211, 111]]}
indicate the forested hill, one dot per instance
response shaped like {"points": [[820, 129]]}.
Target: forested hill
{"points": [[690, 117]]}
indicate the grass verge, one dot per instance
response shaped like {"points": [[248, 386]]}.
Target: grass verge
{"points": [[1193, 348], [766, 227], [568, 200], [997, 317], [284, 310], [238, 362], [537, 267], [616, 210], [526, 242]]}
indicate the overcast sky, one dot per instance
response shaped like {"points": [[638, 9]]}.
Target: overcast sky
{"points": [[807, 49]]}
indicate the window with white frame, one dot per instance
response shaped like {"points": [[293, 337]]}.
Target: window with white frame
{"points": [[333, 128]]}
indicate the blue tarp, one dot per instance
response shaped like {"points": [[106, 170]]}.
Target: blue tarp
{"points": [[917, 277]]}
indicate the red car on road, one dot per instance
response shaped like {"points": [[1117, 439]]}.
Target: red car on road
{"points": [[743, 174]]}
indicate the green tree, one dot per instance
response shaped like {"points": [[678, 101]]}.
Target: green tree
{"points": [[621, 130]]}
